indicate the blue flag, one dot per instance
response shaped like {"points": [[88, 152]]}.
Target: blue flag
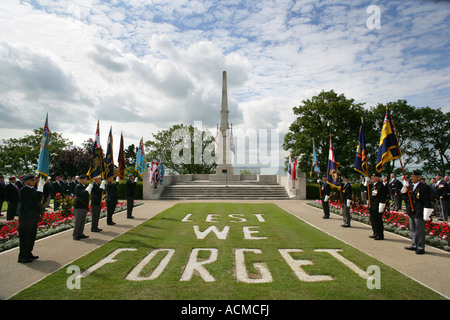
{"points": [[361, 160], [97, 166], [389, 148], [333, 165], [43, 162], [141, 166], [315, 164]]}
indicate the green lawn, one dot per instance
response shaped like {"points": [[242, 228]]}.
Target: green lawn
{"points": [[280, 230]]}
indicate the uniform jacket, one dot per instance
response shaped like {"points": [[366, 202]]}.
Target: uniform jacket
{"points": [[421, 198], [441, 189], [325, 187], [81, 197], [96, 195], [111, 189], [12, 193], [347, 192], [130, 188], [30, 200], [378, 193]]}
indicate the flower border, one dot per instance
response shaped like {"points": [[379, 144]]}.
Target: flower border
{"points": [[437, 234]]}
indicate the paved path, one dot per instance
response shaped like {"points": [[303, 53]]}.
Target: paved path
{"points": [[60, 250]]}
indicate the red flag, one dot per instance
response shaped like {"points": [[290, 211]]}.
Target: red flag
{"points": [[294, 171], [121, 160]]}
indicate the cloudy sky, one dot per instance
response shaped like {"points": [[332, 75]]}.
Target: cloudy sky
{"points": [[143, 65]]}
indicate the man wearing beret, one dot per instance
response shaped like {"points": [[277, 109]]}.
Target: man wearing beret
{"points": [[130, 194], [80, 208], [30, 200], [421, 210], [347, 193], [378, 197]]}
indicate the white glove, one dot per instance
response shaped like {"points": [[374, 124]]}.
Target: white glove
{"points": [[117, 179], [404, 189], [405, 183], [367, 179], [102, 186], [427, 213], [41, 184], [318, 181], [136, 179], [326, 198], [349, 202], [89, 188], [381, 207]]}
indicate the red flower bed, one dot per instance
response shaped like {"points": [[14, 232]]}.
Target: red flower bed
{"points": [[9, 229]]}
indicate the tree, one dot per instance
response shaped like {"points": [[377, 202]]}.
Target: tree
{"points": [[319, 117], [74, 160], [184, 150], [20, 155], [433, 149]]}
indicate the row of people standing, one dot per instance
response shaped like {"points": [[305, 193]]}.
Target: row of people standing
{"points": [[417, 195]]}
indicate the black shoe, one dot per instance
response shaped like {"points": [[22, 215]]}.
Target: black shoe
{"points": [[83, 236], [34, 257], [130, 217], [110, 223], [420, 251], [24, 260], [96, 230], [324, 217], [379, 238], [411, 248], [345, 226], [372, 236]]}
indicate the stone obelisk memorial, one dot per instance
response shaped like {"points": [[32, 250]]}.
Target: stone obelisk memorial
{"points": [[224, 166]]}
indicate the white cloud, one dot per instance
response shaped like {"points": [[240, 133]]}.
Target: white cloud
{"points": [[142, 66]]}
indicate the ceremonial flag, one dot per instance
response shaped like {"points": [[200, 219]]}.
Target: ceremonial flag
{"points": [[161, 170], [315, 163], [109, 160], [121, 160], [97, 166], [333, 165], [294, 169], [289, 170], [232, 147], [43, 162], [361, 160], [141, 166], [154, 172], [389, 148]]}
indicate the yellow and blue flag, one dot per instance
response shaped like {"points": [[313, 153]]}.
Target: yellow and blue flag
{"points": [[141, 165], [97, 166], [43, 162], [361, 159], [333, 165], [389, 148]]}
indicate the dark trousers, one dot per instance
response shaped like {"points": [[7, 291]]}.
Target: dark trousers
{"points": [[95, 214], [130, 204], [110, 207], [12, 210], [326, 209], [376, 220], [27, 237], [80, 221]]}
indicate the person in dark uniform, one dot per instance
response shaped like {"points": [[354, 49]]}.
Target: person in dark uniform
{"points": [[130, 194], [96, 202], [347, 193], [2, 192], [394, 190], [30, 200], [12, 198], [378, 197], [422, 209], [442, 196], [325, 192], [81, 205], [111, 199], [56, 188]]}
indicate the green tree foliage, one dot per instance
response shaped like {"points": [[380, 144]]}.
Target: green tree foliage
{"points": [[423, 134], [20, 155]]}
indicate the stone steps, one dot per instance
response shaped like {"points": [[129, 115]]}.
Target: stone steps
{"points": [[239, 191]]}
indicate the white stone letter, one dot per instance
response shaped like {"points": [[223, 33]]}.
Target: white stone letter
{"points": [[194, 265]]}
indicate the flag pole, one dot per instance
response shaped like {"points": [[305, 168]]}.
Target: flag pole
{"points": [[401, 164], [369, 204]]}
